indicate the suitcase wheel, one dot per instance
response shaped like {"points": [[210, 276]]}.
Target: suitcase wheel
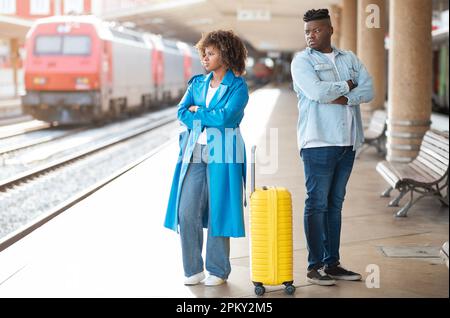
{"points": [[259, 290], [290, 289]]}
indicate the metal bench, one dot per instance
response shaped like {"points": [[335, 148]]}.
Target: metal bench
{"points": [[427, 174], [375, 134]]}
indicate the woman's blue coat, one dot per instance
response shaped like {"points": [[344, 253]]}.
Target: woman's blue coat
{"points": [[227, 161]]}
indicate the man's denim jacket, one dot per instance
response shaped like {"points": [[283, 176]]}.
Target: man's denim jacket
{"points": [[317, 83]]}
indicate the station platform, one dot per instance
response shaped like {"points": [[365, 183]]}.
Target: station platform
{"points": [[113, 243], [10, 107]]}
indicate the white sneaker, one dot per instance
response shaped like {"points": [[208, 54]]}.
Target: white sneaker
{"points": [[444, 252], [214, 281], [194, 279]]}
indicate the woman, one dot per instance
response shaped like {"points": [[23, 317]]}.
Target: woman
{"points": [[208, 185]]}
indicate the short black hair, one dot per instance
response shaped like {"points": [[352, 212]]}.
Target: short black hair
{"points": [[313, 14]]}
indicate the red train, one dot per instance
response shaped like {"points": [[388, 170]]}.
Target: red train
{"points": [[79, 69]]}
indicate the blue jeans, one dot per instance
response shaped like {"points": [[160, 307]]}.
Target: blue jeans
{"points": [[193, 213], [327, 170]]}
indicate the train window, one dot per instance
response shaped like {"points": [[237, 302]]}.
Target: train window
{"points": [[170, 44], [62, 45], [127, 36], [76, 45], [48, 44]]}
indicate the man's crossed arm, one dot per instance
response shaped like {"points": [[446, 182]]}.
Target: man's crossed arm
{"points": [[342, 100]]}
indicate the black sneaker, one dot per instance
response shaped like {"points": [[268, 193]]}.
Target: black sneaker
{"points": [[319, 277], [338, 272]]}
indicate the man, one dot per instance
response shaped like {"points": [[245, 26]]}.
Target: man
{"points": [[330, 84]]}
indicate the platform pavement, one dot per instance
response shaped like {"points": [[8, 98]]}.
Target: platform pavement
{"points": [[113, 243], [10, 107]]}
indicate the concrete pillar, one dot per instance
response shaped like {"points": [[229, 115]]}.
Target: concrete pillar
{"points": [[410, 77], [335, 14], [14, 49], [348, 25], [372, 21]]}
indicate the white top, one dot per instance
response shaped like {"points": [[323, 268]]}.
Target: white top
{"points": [[202, 140], [331, 57], [351, 134]]}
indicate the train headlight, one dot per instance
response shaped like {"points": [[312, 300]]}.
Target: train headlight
{"points": [[82, 81], [39, 80]]}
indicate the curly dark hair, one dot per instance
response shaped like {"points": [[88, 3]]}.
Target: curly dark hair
{"points": [[232, 50], [312, 15]]}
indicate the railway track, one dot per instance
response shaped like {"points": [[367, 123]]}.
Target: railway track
{"points": [[23, 231], [35, 172], [14, 143], [70, 174]]}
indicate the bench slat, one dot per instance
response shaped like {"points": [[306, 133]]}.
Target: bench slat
{"points": [[377, 127], [424, 171], [413, 176], [432, 150], [371, 135], [438, 139], [384, 170], [437, 143], [443, 135], [432, 163], [416, 164], [433, 158], [380, 114], [378, 121]]}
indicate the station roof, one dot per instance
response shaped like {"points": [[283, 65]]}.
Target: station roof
{"points": [[12, 27], [267, 25]]}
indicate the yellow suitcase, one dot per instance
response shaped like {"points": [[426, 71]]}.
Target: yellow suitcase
{"points": [[270, 236]]}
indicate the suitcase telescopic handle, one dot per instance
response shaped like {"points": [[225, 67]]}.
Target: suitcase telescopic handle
{"points": [[252, 172], [253, 161]]}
